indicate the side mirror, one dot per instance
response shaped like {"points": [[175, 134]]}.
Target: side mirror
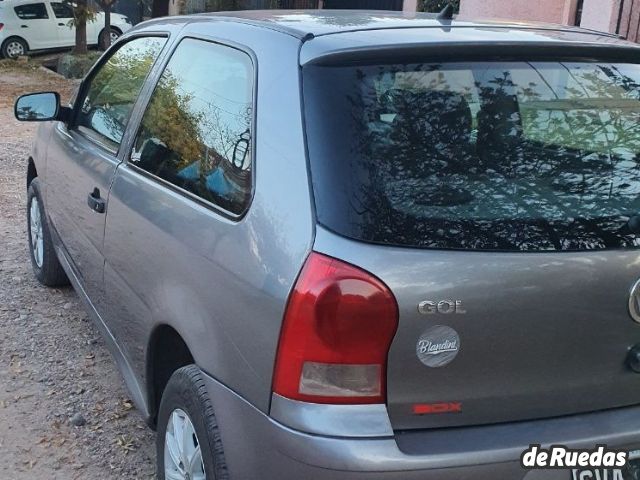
{"points": [[39, 107]]}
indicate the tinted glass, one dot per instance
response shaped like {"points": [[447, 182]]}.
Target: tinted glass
{"points": [[494, 156], [196, 131], [32, 11], [114, 89], [62, 10]]}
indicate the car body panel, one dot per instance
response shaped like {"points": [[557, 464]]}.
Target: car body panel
{"points": [[326, 22], [560, 346], [223, 274], [482, 453], [75, 167], [430, 38]]}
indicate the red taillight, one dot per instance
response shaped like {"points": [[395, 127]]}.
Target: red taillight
{"points": [[1, 26], [336, 334]]}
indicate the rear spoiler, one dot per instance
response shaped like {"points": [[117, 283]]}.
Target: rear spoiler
{"points": [[478, 51]]}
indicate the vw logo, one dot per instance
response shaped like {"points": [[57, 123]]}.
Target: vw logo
{"points": [[634, 302]]}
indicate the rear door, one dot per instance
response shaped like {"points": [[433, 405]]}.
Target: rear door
{"points": [[500, 203], [63, 17], [36, 25], [94, 27], [83, 156]]}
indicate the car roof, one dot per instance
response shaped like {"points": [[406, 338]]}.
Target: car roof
{"points": [[330, 35], [306, 23]]}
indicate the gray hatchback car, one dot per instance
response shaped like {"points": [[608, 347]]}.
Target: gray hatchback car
{"points": [[354, 245]]}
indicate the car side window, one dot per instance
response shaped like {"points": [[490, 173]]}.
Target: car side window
{"points": [[109, 99], [62, 10], [196, 131], [32, 11]]}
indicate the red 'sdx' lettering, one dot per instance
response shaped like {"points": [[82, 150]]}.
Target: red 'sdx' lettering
{"points": [[429, 408]]}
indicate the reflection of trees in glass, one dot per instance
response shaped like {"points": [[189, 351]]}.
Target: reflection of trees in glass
{"points": [[195, 133], [28, 113], [116, 86], [169, 119], [549, 162]]}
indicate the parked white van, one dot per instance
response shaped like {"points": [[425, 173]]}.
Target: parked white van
{"points": [[27, 25]]}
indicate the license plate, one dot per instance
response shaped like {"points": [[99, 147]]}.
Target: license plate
{"points": [[601, 474], [630, 472]]}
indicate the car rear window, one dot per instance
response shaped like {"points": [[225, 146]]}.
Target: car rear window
{"points": [[516, 156], [32, 11]]}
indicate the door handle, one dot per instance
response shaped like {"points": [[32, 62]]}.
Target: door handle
{"points": [[94, 201], [61, 24], [24, 26]]}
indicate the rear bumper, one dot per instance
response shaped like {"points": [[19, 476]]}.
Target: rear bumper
{"points": [[256, 446]]}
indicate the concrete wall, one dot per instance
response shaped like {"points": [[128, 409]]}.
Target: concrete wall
{"points": [[596, 14], [600, 14], [410, 5], [532, 10]]}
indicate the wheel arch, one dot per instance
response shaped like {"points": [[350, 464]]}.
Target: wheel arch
{"points": [[113, 27], [32, 171], [167, 352]]}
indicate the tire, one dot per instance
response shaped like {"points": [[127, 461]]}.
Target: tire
{"points": [[44, 259], [14, 47], [186, 394], [115, 34]]}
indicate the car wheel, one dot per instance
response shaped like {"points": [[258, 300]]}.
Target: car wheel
{"points": [[188, 443], [113, 37], [44, 260], [14, 47]]}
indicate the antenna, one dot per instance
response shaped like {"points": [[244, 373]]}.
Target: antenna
{"points": [[446, 13]]}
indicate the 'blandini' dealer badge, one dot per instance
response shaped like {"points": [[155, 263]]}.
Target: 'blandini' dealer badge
{"points": [[438, 346]]}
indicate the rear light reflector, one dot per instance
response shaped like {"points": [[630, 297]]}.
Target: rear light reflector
{"points": [[340, 380], [1, 26], [337, 329]]}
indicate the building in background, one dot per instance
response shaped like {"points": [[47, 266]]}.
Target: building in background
{"points": [[175, 7], [614, 16], [135, 10]]}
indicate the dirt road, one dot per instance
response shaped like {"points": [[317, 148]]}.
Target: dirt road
{"points": [[53, 363]]}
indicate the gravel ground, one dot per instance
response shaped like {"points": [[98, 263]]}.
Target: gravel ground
{"points": [[53, 363]]}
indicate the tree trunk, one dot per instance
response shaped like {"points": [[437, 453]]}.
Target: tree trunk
{"points": [[106, 41], [160, 8], [81, 31]]}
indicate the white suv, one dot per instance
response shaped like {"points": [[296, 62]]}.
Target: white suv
{"points": [[37, 25]]}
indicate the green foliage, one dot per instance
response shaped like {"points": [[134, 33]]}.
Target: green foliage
{"points": [[435, 6], [12, 65], [170, 118], [76, 66], [82, 13]]}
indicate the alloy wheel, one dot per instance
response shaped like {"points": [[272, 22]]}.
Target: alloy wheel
{"points": [[182, 453], [35, 229], [15, 49]]}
